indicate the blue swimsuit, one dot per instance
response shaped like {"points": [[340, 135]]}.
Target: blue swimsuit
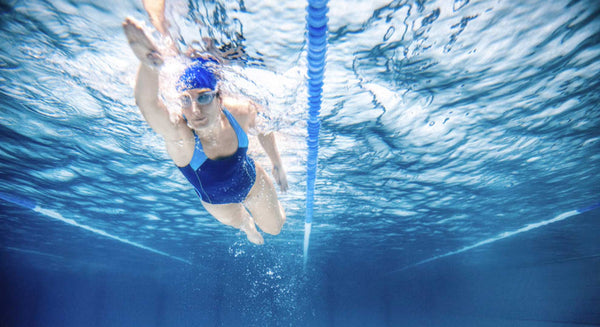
{"points": [[225, 180]]}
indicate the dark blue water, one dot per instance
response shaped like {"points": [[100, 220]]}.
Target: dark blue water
{"points": [[457, 139]]}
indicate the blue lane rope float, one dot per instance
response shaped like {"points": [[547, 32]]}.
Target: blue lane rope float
{"points": [[316, 25], [504, 235], [32, 205]]}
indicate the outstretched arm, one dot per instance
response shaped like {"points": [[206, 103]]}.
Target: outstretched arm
{"points": [[146, 88]]}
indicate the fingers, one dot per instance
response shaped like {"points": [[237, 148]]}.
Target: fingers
{"points": [[135, 33], [131, 28], [283, 184], [283, 187], [140, 43], [282, 181]]}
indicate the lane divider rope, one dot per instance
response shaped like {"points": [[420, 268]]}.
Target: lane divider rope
{"points": [[316, 25]]}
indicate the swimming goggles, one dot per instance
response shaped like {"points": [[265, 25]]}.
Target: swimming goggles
{"points": [[203, 98]]}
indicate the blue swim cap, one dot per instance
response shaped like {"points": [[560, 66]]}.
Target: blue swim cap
{"points": [[198, 75]]}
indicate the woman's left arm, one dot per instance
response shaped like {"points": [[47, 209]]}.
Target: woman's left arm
{"points": [[246, 112], [270, 145]]}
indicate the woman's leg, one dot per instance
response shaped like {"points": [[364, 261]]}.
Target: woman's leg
{"points": [[235, 215], [263, 204]]}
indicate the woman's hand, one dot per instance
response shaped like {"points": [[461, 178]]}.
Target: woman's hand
{"points": [[268, 143], [280, 177], [141, 44]]}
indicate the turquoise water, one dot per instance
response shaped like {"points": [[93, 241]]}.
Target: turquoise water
{"points": [[453, 135]]}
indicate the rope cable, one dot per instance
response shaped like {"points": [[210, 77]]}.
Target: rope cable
{"points": [[316, 25]]}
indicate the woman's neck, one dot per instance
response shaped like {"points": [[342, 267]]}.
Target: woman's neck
{"points": [[210, 134]]}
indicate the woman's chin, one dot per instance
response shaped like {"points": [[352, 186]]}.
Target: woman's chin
{"points": [[198, 123]]}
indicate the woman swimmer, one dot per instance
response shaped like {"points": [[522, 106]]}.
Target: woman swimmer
{"points": [[208, 142]]}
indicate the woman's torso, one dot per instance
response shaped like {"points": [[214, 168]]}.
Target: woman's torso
{"points": [[222, 179]]}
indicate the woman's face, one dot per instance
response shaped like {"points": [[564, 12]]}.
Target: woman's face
{"points": [[200, 107]]}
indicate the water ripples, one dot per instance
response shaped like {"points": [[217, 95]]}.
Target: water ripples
{"points": [[444, 122]]}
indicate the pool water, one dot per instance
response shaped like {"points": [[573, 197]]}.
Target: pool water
{"points": [[457, 139]]}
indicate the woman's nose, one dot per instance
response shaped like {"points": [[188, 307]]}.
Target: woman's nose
{"points": [[195, 107]]}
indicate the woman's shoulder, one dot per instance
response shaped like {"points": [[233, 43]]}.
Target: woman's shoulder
{"points": [[243, 110]]}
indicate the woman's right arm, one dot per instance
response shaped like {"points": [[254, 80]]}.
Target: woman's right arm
{"points": [[146, 88], [178, 137], [153, 109]]}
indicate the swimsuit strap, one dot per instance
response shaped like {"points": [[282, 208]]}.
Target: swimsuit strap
{"points": [[199, 157], [241, 135]]}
